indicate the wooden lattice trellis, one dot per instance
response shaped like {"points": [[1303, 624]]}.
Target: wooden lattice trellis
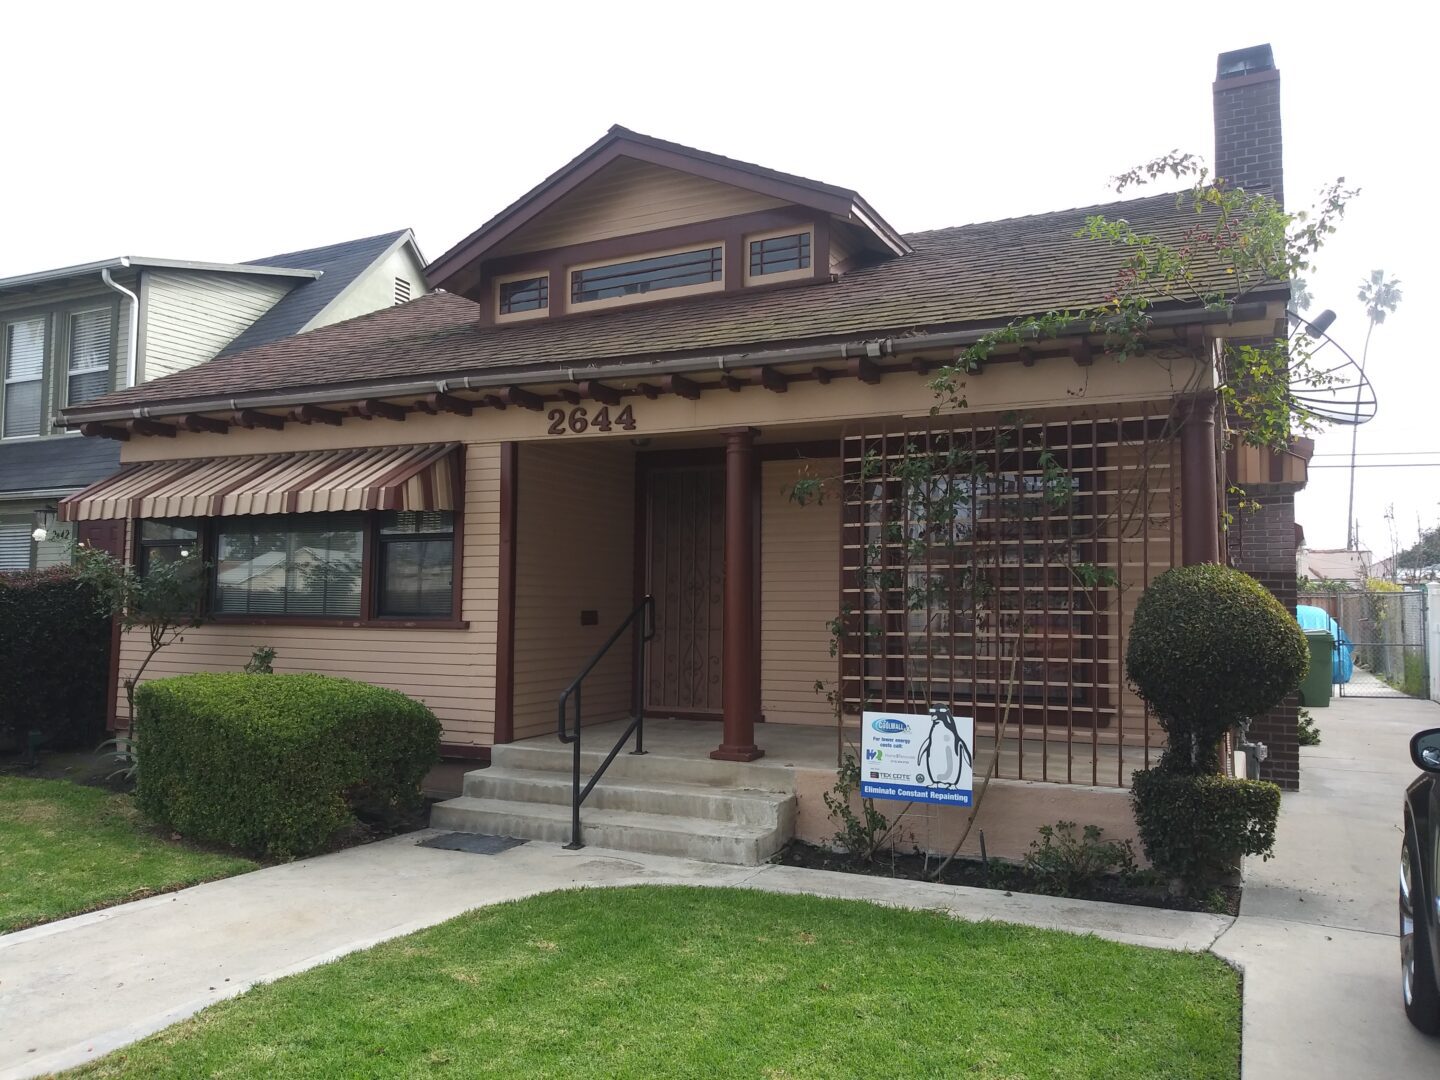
{"points": [[989, 561]]}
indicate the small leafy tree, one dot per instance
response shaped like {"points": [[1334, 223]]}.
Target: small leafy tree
{"points": [[163, 602], [1210, 648]]}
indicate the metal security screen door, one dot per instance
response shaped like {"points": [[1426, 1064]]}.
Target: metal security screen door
{"points": [[684, 569], [1386, 634]]}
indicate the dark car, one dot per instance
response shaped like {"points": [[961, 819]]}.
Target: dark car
{"points": [[1420, 888]]}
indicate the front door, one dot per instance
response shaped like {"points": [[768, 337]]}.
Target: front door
{"points": [[684, 571]]}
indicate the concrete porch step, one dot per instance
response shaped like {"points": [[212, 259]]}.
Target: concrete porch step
{"points": [[546, 756], [624, 830], [767, 809]]}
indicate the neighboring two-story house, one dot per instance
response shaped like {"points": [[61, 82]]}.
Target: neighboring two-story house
{"points": [[71, 335]]}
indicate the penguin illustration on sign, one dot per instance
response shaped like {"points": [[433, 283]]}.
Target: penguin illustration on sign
{"points": [[944, 755]]}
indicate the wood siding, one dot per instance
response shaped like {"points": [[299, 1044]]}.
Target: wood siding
{"points": [[629, 197], [374, 289], [190, 316], [57, 303], [799, 595], [452, 671], [574, 551]]}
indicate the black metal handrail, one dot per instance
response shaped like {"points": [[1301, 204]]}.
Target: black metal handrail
{"points": [[644, 630]]}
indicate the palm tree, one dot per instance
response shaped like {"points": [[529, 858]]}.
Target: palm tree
{"points": [[1380, 297]]}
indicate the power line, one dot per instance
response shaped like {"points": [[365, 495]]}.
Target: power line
{"points": [[1385, 465]]}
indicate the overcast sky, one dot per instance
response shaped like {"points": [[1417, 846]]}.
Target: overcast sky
{"points": [[230, 131]]}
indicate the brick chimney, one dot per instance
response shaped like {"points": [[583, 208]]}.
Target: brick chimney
{"points": [[1247, 121]]}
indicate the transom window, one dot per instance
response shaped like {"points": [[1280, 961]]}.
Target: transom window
{"points": [[777, 254], [698, 267], [528, 294], [23, 343], [90, 352]]}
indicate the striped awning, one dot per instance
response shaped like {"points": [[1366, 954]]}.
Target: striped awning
{"points": [[318, 481]]}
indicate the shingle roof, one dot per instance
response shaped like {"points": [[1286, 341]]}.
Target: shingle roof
{"points": [[340, 264], [56, 464], [973, 274]]}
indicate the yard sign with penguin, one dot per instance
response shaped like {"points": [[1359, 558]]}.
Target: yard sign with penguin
{"points": [[918, 757]]}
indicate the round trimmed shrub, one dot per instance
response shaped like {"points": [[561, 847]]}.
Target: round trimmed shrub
{"points": [[1209, 649], [278, 764]]}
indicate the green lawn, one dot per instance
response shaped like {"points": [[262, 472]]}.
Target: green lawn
{"points": [[665, 981], [65, 848]]}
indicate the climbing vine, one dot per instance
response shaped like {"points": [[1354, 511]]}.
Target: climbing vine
{"points": [[1238, 243]]}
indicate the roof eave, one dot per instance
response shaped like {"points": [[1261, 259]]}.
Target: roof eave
{"points": [[886, 341]]}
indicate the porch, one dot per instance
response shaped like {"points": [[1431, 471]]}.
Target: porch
{"points": [[990, 585], [678, 799]]}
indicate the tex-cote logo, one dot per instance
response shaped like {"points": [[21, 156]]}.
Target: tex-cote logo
{"points": [[888, 725]]}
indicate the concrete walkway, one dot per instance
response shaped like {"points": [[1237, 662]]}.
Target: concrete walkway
{"points": [[1318, 926], [1316, 937], [72, 991]]}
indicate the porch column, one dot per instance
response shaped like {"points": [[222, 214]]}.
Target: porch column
{"points": [[1199, 491], [740, 686]]}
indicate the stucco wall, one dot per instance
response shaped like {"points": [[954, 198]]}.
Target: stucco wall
{"points": [[1011, 814]]}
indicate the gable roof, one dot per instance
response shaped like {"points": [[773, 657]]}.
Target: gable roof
{"points": [[971, 276], [121, 262], [621, 142], [339, 265]]}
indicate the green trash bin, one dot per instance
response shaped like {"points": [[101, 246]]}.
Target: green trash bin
{"points": [[1315, 687]]}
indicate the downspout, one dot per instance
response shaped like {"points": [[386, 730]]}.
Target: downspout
{"points": [[134, 335]]}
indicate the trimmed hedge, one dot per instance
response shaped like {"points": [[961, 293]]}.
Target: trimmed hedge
{"points": [[278, 764], [1210, 648], [56, 648], [1195, 828]]}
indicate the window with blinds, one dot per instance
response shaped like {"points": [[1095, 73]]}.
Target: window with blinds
{"points": [[302, 564], [15, 546], [90, 354], [402, 290], [24, 407], [417, 563]]}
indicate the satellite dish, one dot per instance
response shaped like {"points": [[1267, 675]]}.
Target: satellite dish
{"points": [[1339, 392]]}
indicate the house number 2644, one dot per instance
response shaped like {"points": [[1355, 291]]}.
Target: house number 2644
{"points": [[580, 420]]}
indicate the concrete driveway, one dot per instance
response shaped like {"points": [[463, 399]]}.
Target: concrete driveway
{"points": [[1318, 927]]}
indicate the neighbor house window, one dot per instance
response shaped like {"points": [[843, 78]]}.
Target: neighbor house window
{"points": [[698, 267], [89, 366], [526, 294], [778, 254], [15, 545], [416, 563], [402, 290], [24, 347], [300, 564]]}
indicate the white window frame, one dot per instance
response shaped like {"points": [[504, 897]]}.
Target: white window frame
{"points": [[6, 381], [71, 370]]}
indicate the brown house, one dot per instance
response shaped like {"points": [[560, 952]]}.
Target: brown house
{"points": [[628, 372]]}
